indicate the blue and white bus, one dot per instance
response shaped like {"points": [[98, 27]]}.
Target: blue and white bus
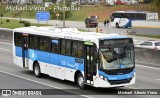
{"points": [[87, 58], [124, 18]]}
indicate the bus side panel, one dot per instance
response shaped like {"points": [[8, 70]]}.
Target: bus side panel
{"points": [[71, 66], [54, 58], [43, 57], [32, 57], [17, 56], [18, 51]]}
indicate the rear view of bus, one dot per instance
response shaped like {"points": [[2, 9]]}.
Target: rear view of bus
{"points": [[116, 66]]}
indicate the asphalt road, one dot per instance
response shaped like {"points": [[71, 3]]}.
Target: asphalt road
{"points": [[14, 77]]}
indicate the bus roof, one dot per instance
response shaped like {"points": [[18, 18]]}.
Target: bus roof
{"points": [[68, 33]]}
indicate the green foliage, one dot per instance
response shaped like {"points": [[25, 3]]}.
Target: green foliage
{"points": [[155, 7], [21, 21], [156, 3], [27, 24], [1, 15], [7, 20], [15, 24]]}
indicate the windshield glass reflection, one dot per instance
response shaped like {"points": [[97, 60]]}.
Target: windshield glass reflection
{"points": [[116, 58]]}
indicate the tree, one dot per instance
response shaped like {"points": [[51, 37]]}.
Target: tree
{"points": [[156, 3], [155, 6]]}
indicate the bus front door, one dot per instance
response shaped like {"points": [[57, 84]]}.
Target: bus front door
{"points": [[88, 71], [25, 50]]}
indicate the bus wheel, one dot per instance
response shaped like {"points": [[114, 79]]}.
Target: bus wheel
{"points": [[80, 81], [117, 25], [37, 70]]}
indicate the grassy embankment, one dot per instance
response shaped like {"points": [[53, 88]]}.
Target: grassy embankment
{"points": [[103, 12], [149, 36], [15, 24]]}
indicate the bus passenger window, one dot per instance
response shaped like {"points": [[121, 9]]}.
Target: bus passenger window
{"points": [[77, 49], [68, 47], [18, 39], [44, 43], [54, 46], [63, 46]]}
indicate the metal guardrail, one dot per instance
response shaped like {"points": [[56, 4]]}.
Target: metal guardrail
{"points": [[142, 55]]}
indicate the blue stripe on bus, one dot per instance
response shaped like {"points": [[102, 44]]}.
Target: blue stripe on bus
{"points": [[19, 51], [129, 23], [116, 77], [51, 58]]}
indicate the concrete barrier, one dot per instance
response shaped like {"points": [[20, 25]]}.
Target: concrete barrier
{"points": [[146, 27], [142, 55], [6, 34], [147, 56]]}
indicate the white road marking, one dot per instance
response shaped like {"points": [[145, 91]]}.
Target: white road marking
{"points": [[45, 84], [131, 87], [158, 79], [6, 43], [135, 40], [4, 49], [148, 67]]}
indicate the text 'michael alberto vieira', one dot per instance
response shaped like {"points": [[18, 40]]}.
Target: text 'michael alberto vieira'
{"points": [[137, 92]]}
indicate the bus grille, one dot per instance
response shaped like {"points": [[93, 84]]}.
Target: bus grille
{"points": [[114, 82]]}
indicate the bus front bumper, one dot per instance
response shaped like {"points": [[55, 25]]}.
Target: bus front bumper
{"points": [[99, 82]]}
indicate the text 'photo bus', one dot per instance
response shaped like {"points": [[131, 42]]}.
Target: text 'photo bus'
{"points": [[124, 19], [87, 58]]}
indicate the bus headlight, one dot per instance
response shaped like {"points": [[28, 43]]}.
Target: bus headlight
{"points": [[104, 78], [132, 76], [101, 76]]}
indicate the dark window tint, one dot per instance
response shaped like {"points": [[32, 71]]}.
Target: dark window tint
{"points": [[140, 16], [18, 39], [129, 15], [157, 44], [44, 43], [77, 49], [54, 46], [147, 44], [66, 47], [63, 47], [117, 15], [34, 41]]}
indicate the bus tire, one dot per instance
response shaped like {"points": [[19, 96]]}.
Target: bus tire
{"points": [[37, 70], [117, 25], [80, 81]]}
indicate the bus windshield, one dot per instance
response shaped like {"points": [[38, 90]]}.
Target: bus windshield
{"points": [[117, 58]]}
